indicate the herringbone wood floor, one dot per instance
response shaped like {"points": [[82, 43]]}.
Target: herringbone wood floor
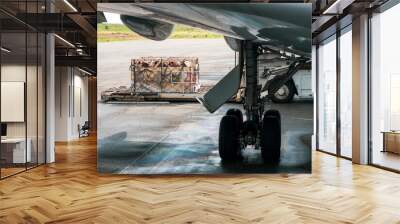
{"points": [[71, 191]]}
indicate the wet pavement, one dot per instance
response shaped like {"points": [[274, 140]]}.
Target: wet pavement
{"points": [[167, 138]]}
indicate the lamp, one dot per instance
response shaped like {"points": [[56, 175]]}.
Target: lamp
{"points": [[70, 5], [5, 50], [64, 40]]}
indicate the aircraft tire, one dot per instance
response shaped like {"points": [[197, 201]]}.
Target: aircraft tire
{"points": [[237, 113], [285, 94], [229, 138], [270, 135]]}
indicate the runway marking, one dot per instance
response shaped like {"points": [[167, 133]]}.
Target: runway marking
{"points": [[126, 169]]}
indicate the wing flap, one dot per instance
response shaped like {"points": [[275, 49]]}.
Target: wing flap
{"points": [[222, 91]]}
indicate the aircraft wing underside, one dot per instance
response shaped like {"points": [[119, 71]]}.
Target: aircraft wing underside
{"points": [[285, 26]]}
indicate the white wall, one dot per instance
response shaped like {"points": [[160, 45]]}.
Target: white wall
{"points": [[80, 109], [71, 102], [11, 73], [62, 82], [17, 73], [33, 125], [13, 101]]}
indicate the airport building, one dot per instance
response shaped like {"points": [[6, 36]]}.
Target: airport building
{"points": [[49, 100]]}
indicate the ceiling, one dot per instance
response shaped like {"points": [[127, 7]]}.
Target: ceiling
{"points": [[332, 15], [74, 22]]}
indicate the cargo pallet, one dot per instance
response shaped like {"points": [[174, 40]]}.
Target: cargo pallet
{"points": [[118, 95], [123, 94]]}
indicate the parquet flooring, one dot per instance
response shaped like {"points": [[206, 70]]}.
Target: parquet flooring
{"points": [[71, 191]]}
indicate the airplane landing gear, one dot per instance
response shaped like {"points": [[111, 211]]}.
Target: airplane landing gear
{"points": [[259, 130]]}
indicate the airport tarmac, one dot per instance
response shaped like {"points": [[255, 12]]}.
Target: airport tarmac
{"points": [[170, 138], [166, 138], [215, 58]]}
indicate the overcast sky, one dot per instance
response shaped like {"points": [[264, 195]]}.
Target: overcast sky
{"points": [[112, 18]]}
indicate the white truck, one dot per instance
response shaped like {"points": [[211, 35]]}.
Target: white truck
{"points": [[297, 87]]}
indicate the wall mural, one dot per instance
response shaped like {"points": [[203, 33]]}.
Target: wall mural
{"points": [[202, 88]]}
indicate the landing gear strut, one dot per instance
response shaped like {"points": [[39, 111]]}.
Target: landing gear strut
{"points": [[261, 130]]}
